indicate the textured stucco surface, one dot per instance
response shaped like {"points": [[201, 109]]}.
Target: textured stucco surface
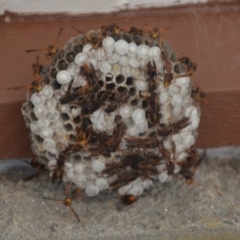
{"points": [[208, 209]]}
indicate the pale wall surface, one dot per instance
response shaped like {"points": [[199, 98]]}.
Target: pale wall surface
{"points": [[80, 6]]}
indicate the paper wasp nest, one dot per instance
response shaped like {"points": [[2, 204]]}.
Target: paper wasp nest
{"points": [[114, 109]]}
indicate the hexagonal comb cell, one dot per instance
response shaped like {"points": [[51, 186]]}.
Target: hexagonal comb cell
{"points": [[56, 85], [111, 86], [52, 73], [70, 56], [61, 65], [120, 79], [109, 78], [78, 48], [65, 116], [68, 127], [130, 81]]}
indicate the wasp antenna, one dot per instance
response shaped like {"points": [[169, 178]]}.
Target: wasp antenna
{"points": [[75, 214], [32, 50], [52, 199], [77, 30], [58, 36]]}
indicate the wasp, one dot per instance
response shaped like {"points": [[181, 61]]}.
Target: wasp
{"points": [[128, 199], [112, 30], [190, 66], [36, 85], [82, 137], [37, 68], [152, 113], [113, 142], [81, 142], [179, 125], [170, 166], [98, 137], [152, 73], [189, 166], [51, 49], [58, 171], [140, 166], [90, 107], [173, 128], [167, 73], [69, 97], [142, 142], [198, 94], [153, 117], [119, 99], [156, 33], [136, 31], [89, 73], [123, 179], [133, 34], [67, 201], [153, 160], [35, 164], [93, 38]]}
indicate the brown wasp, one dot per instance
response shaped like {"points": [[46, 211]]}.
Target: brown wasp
{"points": [[136, 142], [152, 113], [36, 85], [93, 38], [123, 179], [81, 142], [113, 142], [140, 166], [190, 165], [114, 168], [37, 68], [82, 137], [155, 32], [98, 137], [198, 94], [35, 164], [153, 160], [51, 49], [128, 199], [179, 125], [112, 30], [67, 201], [167, 76], [136, 31], [190, 66], [88, 71], [119, 99], [152, 73], [133, 31], [170, 166], [69, 97], [58, 171], [173, 128]]}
